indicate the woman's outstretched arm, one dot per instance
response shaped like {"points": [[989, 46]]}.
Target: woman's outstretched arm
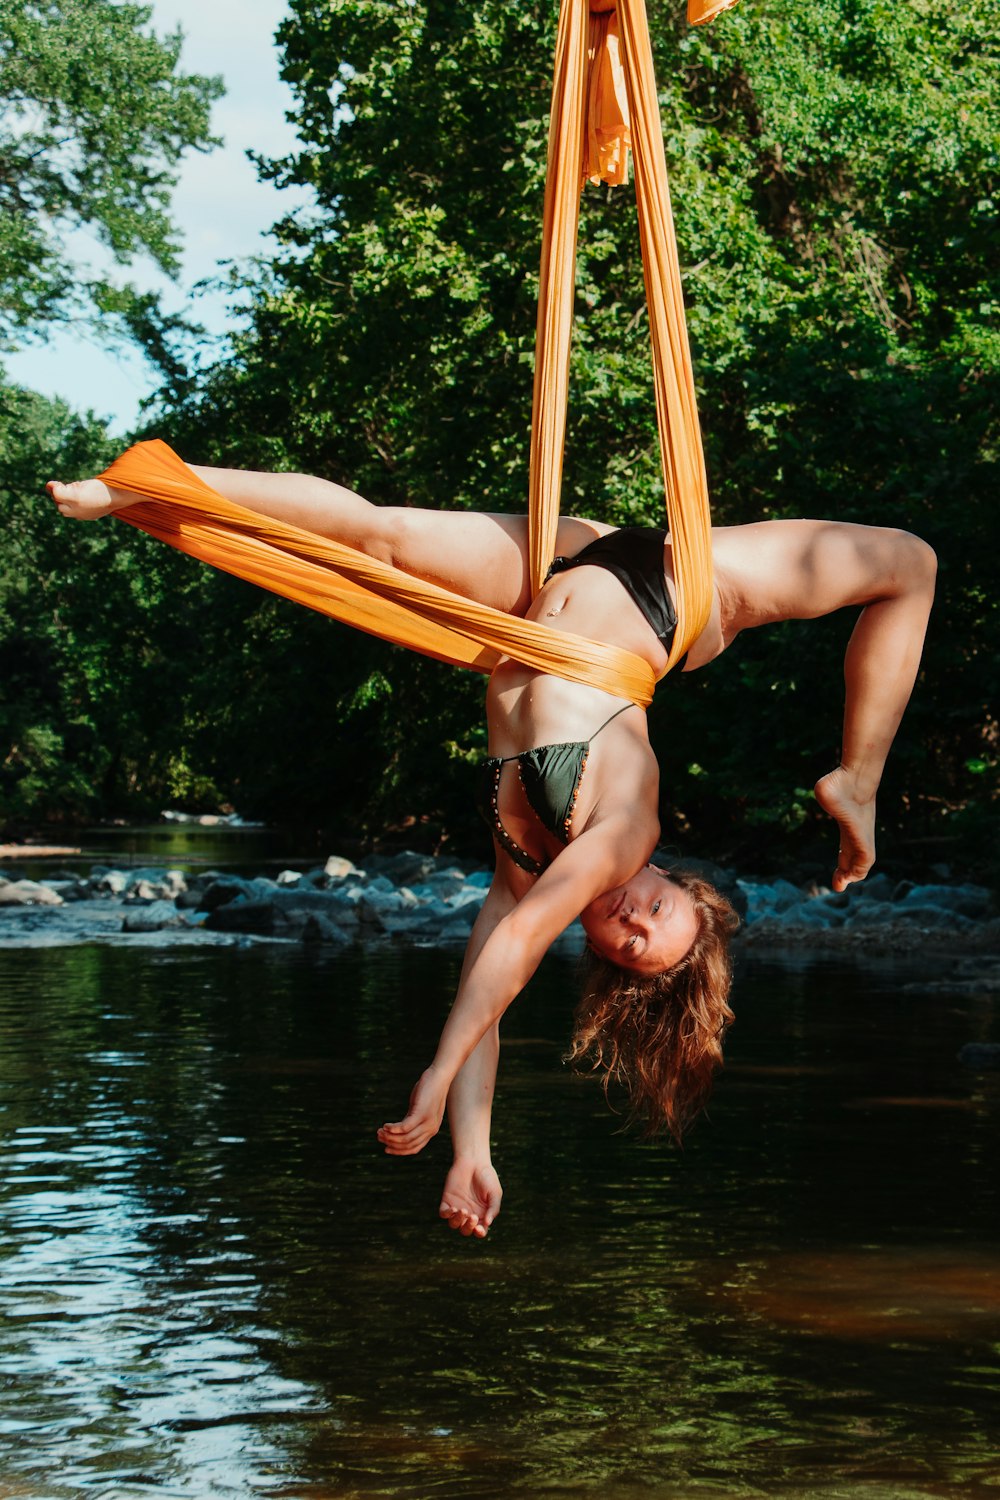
{"points": [[471, 1197], [597, 861]]}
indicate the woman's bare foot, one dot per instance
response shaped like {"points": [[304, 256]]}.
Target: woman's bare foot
{"points": [[855, 817], [87, 499]]}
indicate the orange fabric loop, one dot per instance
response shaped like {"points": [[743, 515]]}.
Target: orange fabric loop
{"points": [[184, 511]]}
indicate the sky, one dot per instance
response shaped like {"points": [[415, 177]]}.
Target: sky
{"points": [[221, 209]]}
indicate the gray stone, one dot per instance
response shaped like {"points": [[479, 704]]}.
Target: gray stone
{"points": [[289, 877], [109, 882], [931, 914], [457, 930], [875, 888], [973, 901], [404, 868], [222, 891], [470, 896], [154, 918], [337, 867], [319, 929]]}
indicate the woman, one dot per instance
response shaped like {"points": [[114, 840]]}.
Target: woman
{"points": [[571, 790]]}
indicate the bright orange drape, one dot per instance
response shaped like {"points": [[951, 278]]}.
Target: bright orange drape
{"points": [[604, 55], [604, 100], [350, 586]]}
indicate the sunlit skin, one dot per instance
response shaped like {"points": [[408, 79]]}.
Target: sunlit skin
{"points": [[648, 924], [763, 573]]}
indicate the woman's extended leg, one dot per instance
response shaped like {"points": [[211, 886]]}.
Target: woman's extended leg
{"points": [[483, 557]]}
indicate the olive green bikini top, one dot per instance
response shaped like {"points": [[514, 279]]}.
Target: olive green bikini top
{"points": [[550, 777]]}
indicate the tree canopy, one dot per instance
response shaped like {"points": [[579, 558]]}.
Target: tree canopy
{"points": [[95, 115], [833, 172]]}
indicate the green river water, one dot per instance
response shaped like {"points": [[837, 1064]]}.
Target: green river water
{"points": [[213, 1284]]}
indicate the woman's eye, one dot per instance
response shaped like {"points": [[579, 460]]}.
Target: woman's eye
{"points": [[631, 941], [656, 907]]}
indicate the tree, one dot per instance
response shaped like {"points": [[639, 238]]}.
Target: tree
{"points": [[95, 115], [833, 176]]}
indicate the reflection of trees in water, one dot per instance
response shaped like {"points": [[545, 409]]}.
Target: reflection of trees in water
{"points": [[242, 1284]]}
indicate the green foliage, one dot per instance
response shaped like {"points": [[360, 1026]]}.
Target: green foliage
{"points": [[94, 118], [98, 627], [834, 181]]}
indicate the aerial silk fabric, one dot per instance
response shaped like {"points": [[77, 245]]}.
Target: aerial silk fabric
{"points": [[604, 103], [348, 585], [604, 84]]}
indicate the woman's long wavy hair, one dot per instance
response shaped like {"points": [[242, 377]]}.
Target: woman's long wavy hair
{"points": [[661, 1035]]}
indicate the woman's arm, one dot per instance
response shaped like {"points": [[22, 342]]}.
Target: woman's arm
{"points": [[596, 861], [471, 1198]]}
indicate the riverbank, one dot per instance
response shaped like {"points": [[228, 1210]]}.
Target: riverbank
{"points": [[425, 901]]}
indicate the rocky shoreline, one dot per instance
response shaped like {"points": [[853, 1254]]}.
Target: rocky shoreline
{"points": [[433, 902]]}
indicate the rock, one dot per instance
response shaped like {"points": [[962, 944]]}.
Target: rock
{"points": [[289, 877], [446, 882], [337, 867], [222, 890], [405, 868], [28, 893], [319, 929], [154, 885], [470, 896], [108, 882], [456, 930], [287, 914], [973, 901], [154, 918], [982, 1056], [376, 904], [875, 888]]}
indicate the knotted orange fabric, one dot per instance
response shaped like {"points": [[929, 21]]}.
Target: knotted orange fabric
{"points": [[603, 65]]}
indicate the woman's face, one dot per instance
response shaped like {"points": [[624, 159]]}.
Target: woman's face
{"points": [[647, 924]]}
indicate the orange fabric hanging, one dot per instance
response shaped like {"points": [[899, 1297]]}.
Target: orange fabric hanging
{"points": [[184, 511], [621, 67], [603, 66]]}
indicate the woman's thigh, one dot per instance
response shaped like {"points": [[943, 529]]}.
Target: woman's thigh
{"points": [[483, 556]]}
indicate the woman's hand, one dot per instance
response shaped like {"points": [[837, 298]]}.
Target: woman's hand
{"points": [[423, 1118], [471, 1198]]}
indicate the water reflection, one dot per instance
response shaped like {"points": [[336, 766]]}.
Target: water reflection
{"points": [[214, 1285]]}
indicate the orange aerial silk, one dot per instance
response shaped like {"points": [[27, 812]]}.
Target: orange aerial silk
{"points": [[604, 103]]}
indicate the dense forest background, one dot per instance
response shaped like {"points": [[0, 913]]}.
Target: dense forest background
{"points": [[834, 175]]}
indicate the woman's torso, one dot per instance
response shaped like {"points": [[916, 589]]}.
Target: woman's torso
{"points": [[558, 745]]}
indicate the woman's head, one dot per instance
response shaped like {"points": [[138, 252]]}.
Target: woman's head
{"points": [[655, 1004]]}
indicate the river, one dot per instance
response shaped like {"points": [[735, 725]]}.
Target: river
{"points": [[215, 1285]]}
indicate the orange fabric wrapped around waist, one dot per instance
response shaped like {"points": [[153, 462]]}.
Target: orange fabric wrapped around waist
{"points": [[181, 509]]}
